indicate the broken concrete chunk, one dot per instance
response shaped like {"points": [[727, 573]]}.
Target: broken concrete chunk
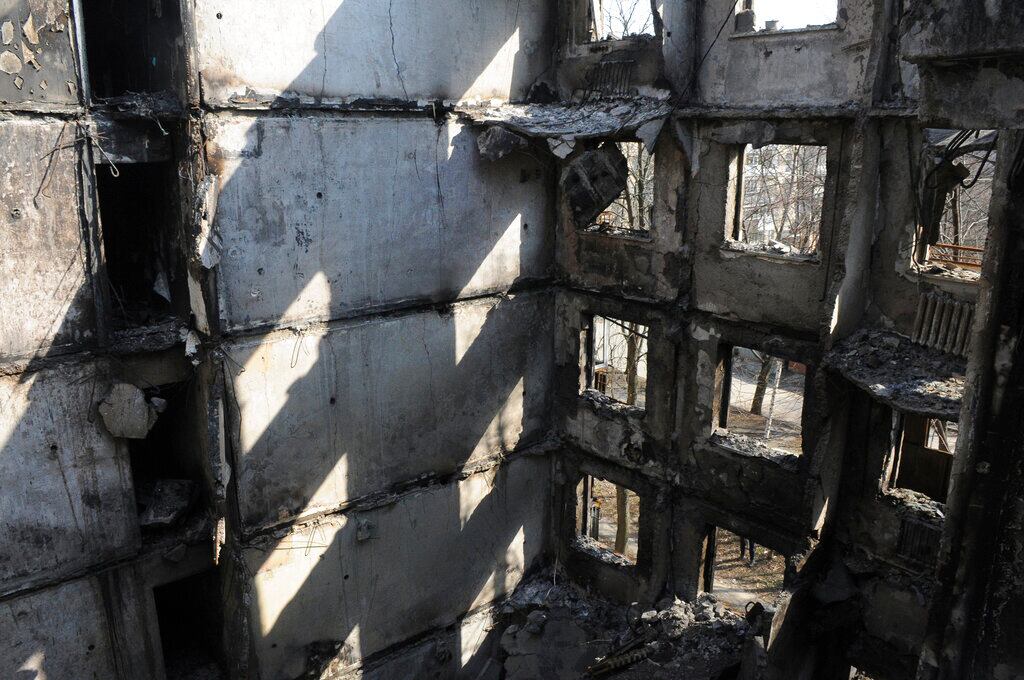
{"points": [[29, 57], [745, 21], [29, 28], [9, 62], [648, 133], [592, 181], [365, 530], [18, 81], [561, 147], [168, 502], [496, 142], [126, 413], [208, 242], [7, 32]]}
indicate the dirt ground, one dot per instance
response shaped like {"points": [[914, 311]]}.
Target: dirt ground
{"points": [[784, 435], [736, 582]]}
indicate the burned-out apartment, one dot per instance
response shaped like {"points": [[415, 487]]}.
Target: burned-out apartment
{"points": [[512, 339]]}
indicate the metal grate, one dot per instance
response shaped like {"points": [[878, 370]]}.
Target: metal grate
{"points": [[610, 78], [943, 324], [918, 542]]}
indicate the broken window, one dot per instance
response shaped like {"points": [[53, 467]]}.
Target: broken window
{"points": [[189, 615], [607, 519], [777, 15], [617, 360], [738, 571], [960, 167], [618, 19], [632, 212], [132, 47], [137, 220], [780, 193], [763, 399], [925, 456], [165, 464]]}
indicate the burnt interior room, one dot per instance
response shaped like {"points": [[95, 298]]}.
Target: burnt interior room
{"points": [[512, 339]]}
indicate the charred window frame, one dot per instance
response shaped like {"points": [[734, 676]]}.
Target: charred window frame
{"points": [[603, 21], [631, 213], [923, 454], [614, 359], [763, 17], [958, 168], [607, 520], [619, 577], [767, 385], [765, 179]]}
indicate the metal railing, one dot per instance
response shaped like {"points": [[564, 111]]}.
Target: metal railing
{"points": [[961, 256]]}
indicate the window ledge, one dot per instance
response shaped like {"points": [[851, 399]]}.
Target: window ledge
{"points": [[735, 249], [917, 504], [765, 33], [604, 403], [594, 550], [638, 236], [751, 448]]}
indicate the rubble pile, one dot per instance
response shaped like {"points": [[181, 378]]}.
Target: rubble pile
{"points": [[561, 631]]}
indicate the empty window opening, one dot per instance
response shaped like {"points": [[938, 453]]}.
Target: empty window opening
{"points": [[780, 194], [189, 616], [618, 19], [132, 47], [925, 455], [136, 215], [738, 571], [165, 464], [607, 519], [763, 399], [632, 213], [777, 15], [618, 360], [958, 190]]}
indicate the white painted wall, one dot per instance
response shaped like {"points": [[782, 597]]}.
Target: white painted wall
{"points": [[345, 50]]}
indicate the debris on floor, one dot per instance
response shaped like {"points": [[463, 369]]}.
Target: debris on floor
{"points": [[561, 631], [902, 374]]}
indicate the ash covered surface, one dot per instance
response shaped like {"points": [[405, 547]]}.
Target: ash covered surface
{"points": [[900, 373], [749, 446], [586, 544], [919, 505], [561, 631], [591, 119], [603, 403]]}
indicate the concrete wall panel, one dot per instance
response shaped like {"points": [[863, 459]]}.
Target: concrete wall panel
{"points": [[68, 500], [371, 580], [327, 417], [57, 633], [46, 299], [43, 71], [346, 50], [322, 217]]}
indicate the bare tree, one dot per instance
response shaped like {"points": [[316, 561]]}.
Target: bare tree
{"points": [[633, 209], [625, 17], [783, 192]]}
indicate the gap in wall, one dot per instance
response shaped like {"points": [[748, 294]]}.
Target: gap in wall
{"points": [[189, 613]]}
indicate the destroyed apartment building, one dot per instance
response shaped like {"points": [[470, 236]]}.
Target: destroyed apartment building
{"points": [[512, 339]]}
